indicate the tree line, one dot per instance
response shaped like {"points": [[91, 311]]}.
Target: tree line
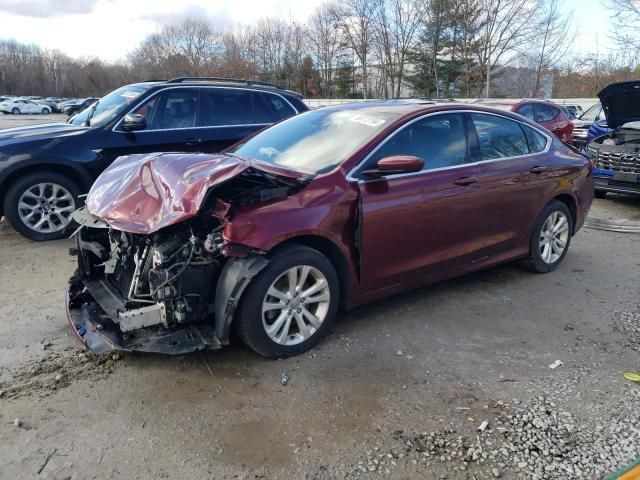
{"points": [[360, 49]]}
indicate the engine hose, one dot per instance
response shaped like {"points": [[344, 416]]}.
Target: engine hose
{"points": [[178, 273]]}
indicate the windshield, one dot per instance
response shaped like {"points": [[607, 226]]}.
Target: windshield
{"points": [[594, 113], [109, 106], [315, 142]]}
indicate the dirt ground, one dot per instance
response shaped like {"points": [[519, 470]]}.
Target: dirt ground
{"points": [[439, 359]]}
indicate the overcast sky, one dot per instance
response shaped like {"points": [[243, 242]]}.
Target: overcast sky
{"points": [[112, 28]]}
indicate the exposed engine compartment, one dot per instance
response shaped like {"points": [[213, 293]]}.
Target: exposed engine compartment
{"points": [[157, 291], [617, 152]]}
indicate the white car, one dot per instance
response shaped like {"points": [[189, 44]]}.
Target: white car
{"points": [[18, 106]]}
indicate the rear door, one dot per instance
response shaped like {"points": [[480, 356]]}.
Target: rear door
{"points": [[417, 224], [227, 115], [514, 176], [551, 118]]}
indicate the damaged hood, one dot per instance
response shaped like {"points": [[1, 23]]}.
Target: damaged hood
{"points": [[144, 193], [621, 103]]}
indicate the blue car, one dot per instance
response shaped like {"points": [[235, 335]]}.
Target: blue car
{"points": [[597, 129], [614, 144]]}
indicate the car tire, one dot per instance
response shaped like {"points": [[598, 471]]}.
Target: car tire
{"points": [[280, 326], [15, 111], [45, 111], [56, 211], [600, 193], [552, 230]]}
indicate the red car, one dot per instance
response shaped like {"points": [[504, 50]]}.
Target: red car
{"points": [[544, 112], [333, 208]]}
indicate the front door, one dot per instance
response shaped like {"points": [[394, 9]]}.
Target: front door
{"points": [[171, 126], [416, 224]]}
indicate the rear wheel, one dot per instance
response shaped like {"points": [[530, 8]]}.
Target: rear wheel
{"points": [[15, 111], [290, 306], [45, 111], [600, 193], [39, 206], [550, 238]]}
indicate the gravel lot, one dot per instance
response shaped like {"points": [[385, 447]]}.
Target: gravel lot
{"points": [[398, 391]]}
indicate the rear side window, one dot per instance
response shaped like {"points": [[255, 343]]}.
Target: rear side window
{"points": [[439, 140], [526, 111], [545, 113], [226, 106], [281, 109], [498, 137], [537, 142]]}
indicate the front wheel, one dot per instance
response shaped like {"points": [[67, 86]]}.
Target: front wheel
{"points": [[45, 111], [39, 206], [290, 306], [550, 238], [15, 111]]}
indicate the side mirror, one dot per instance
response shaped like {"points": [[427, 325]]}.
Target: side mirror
{"points": [[134, 122], [396, 164]]}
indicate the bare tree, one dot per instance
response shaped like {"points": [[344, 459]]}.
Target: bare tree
{"points": [[506, 26], [553, 40], [325, 43], [357, 20], [396, 33], [626, 22]]}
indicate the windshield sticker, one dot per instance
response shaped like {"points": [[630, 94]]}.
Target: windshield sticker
{"points": [[130, 94], [367, 120]]}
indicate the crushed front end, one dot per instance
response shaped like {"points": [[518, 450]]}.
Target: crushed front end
{"points": [[154, 272], [150, 293]]}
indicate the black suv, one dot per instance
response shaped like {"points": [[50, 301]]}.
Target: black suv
{"points": [[45, 168]]}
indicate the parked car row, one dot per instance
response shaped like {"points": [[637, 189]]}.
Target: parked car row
{"points": [[11, 104]]}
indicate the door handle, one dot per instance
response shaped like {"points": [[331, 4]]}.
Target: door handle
{"points": [[464, 181], [192, 142], [538, 169]]}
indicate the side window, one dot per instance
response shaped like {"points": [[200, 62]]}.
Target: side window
{"points": [[170, 109], [225, 106], [263, 111], [499, 137], [545, 113], [279, 106], [526, 111], [537, 142], [440, 140]]}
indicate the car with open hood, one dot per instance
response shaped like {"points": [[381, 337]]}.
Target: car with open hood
{"points": [[332, 208], [44, 169], [616, 151]]}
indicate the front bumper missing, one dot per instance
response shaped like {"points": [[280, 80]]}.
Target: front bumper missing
{"points": [[84, 317]]}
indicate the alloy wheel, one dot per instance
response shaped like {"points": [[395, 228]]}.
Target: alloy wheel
{"points": [[46, 207], [295, 305], [554, 237]]}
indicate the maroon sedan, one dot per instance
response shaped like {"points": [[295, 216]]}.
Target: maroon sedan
{"points": [[544, 112], [333, 208]]}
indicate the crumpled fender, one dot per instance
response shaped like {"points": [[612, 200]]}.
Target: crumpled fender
{"points": [[235, 277]]}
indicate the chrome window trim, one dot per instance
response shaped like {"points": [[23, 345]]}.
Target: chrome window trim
{"points": [[172, 87], [351, 177]]}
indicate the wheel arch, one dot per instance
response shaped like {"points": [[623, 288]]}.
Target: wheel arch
{"points": [[572, 205], [330, 250], [75, 173]]}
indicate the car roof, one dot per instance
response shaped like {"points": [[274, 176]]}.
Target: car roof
{"points": [[221, 81], [411, 107]]}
